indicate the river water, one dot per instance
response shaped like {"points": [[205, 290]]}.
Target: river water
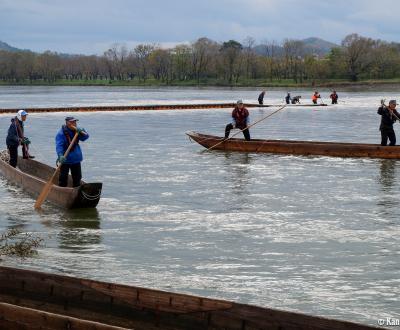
{"points": [[318, 235]]}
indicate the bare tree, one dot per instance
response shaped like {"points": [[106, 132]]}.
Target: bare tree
{"points": [[231, 59], [142, 53], [356, 54]]}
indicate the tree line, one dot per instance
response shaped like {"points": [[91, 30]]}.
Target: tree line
{"points": [[209, 62]]}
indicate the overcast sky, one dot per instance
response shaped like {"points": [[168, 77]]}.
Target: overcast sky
{"points": [[92, 26]]}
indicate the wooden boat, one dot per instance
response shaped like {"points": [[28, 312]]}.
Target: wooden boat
{"points": [[306, 148], [56, 297], [153, 107], [32, 175]]}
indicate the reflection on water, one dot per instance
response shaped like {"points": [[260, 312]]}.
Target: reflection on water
{"points": [[238, 176], [388, 201], [80, 229], [387, 174]]}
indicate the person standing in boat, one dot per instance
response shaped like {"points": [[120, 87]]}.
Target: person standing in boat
{"points": [[315, 97], [73, 160], [15, 138], [261, 98], [334, 97], [389, 116], [240, 120], [288, 99]]}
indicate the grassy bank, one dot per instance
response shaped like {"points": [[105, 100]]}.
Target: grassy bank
{"points": [[206, 83]]}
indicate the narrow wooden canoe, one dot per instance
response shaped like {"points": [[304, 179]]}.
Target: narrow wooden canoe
{"points": [[306, 148], [153, 107], [140, 308], [32, 175]]}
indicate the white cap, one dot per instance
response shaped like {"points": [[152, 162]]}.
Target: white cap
{"points": [[21, 113], [239, 102]]}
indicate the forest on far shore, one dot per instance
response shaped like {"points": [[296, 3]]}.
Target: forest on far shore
{"points": [[207, 62]]}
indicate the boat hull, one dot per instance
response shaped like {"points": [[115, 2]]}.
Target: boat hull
{"points": [[140, 308], [32, 175], [305, 148]]}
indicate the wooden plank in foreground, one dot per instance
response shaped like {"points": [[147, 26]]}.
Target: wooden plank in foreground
{"points": [[14, 317], [147, 309]]}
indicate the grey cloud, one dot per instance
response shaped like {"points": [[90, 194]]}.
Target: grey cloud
{"points": [[76, 26]]}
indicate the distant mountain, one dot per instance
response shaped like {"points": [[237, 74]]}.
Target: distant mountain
{"points": [[318, 46], [5, 46], [313, 46]]}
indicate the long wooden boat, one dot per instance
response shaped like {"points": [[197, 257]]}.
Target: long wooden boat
{"points": [[32, 175], [152, 107], [108, 304], [306, 148]]}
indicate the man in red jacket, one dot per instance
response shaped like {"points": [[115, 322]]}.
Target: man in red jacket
{"points": [[240, 120]]}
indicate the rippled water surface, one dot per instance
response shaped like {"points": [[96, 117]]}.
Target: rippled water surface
{"points": [[318, 235]]}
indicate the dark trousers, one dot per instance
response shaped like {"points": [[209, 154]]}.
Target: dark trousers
{"points": [[334, 101], [76, 173], [260, 102], [228, 128], [13, 150], [386, 134]]}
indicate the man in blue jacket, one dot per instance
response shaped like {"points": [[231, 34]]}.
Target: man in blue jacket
{"points": [[73, 160]]}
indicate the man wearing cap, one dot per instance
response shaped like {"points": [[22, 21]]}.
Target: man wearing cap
{"points": [[73, 160], [389, 116], [240, 119], [15, 138]]}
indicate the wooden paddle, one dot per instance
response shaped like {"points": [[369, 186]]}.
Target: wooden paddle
{"points": [[246, 127], [46, 190]]}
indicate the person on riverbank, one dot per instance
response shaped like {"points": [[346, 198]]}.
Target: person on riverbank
{"points": [[240, 120], [334, 97], [261, 98], [296, 99], [16, 138], [288, 99], [73, 160], [315, 97], [389, 116]]}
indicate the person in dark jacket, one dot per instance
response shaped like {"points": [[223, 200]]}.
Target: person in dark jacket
{"points": [[288, 98], [15, 138], [334, 97], [261, 98], [240, 119], [73, 160], [389, 116], [296, 99]]}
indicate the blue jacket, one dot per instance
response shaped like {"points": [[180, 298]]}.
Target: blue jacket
{"points": [[75, 155], [13, 139]]}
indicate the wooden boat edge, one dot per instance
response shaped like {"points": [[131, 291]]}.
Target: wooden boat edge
{"points": [[225, 309]]}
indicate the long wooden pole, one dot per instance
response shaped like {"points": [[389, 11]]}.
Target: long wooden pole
{"points": [[247, 127], [46, 190]]}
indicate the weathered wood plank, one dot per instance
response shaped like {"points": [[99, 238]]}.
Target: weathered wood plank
{"points": [[142, 308], [37, 319]]}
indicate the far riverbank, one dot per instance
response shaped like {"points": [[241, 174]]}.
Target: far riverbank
{"points": [[259, 83]]}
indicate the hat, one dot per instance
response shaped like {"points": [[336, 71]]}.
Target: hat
{"points": [[239, 102], [70, 118], [393, 102], [21, 113]]}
